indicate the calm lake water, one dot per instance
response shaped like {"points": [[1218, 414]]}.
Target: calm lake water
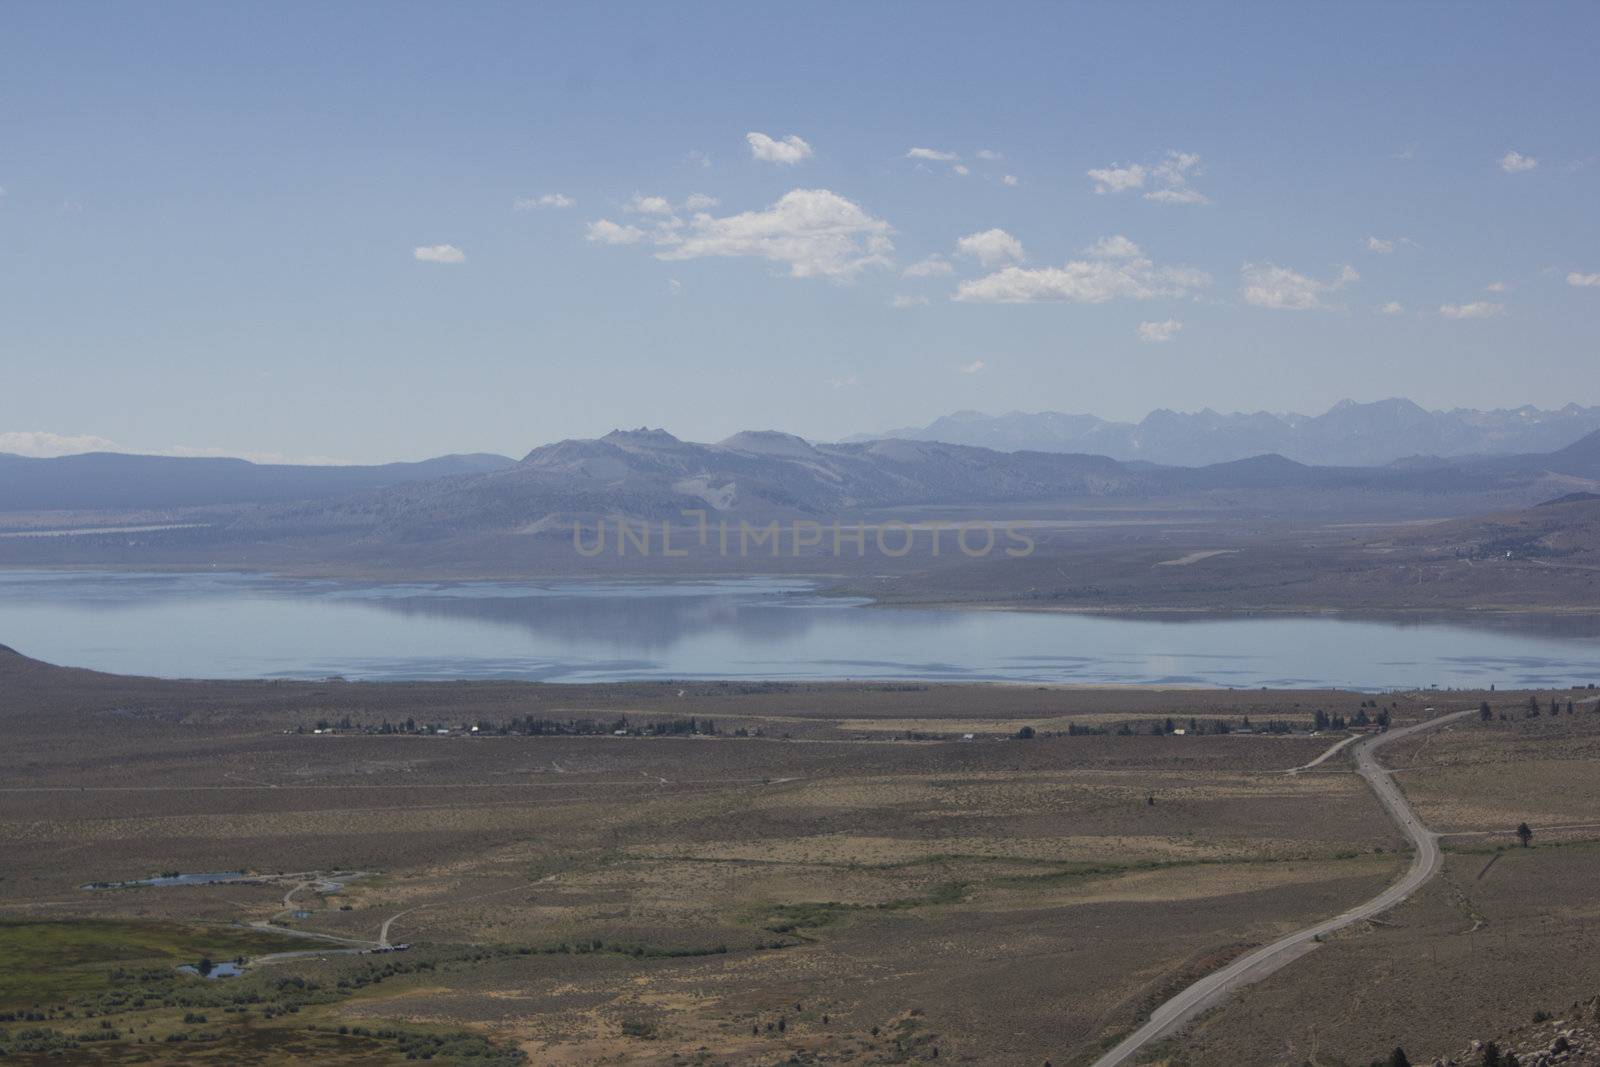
{"points": [[243, 626]]}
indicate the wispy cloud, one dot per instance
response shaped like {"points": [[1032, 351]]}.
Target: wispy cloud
{"points": [[905, 300], [1393, 307], [977, 366], [1478, 309], [1515, 162], [438, 254], [928, 268], [933, 154], [640, 204], [1583, 281], [1117, 178], [789, 151], [1268, 285], [1117, 269], [548, 200], [1159, 332], [42, 444], [1169, 177]]}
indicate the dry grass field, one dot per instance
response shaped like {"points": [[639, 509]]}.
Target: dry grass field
{"points": [[836, 876]]}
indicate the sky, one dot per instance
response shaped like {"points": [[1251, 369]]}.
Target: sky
{"points": [[366, 232]]}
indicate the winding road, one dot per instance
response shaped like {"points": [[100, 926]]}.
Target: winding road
{"points": [[1264, 961]]}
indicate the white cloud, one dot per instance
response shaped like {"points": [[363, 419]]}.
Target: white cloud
{"points": [[843, 383], [1177, 196], [548, 200], [1118, 270], [42, 444], [1268, 285], [991, 247], [1117, 179], [1515, 162], [1393, 307], [1496, 287], [1114, 247], [962, 169], [790, 150], [438, 254], [989, 154], [932, 154], [975, 367], [1159, 332], [1171, 175], [928, 268], [697, 156], [903, 300], [1478, 309], [1009, 179], [648, 205], [1385, 245], [817, 233], [606, 232], [700, 202], [674, 286], [1583, 281]]}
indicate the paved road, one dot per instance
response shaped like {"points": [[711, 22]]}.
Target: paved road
{"points": [[1263, 961]]}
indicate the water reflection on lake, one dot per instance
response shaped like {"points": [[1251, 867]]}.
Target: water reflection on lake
{"points": [[234, 626]]}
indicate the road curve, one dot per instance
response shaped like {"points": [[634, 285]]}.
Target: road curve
{"points": [[1264, 961]]}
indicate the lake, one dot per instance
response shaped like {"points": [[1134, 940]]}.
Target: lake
{"points": [[225, 625]]}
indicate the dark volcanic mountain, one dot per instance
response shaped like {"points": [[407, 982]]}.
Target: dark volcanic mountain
{"points": [[1349, 434]]}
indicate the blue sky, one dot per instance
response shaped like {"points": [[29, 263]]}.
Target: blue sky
{"points": [[213, 217]]}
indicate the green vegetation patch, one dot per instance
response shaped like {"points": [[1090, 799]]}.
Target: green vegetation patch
{"points": [[790, 918], [46, 962]]}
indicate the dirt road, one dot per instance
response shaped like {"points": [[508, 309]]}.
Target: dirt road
{"points": [[1264, 961]]}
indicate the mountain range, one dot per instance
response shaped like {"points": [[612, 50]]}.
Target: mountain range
{"points": [[465, 508], [649, 473], [96, 481], [1348, 434]]}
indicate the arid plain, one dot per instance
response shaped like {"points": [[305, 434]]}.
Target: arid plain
{"points": [[765, 873]]}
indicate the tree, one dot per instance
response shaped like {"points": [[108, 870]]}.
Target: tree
{"points": [[1397, 1058], [1491, 1055], [1524, 834], [1485, 713], [1025, 734], [1533, 707]]}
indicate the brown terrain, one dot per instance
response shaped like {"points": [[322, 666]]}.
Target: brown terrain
{"points": [[835, 875]]}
